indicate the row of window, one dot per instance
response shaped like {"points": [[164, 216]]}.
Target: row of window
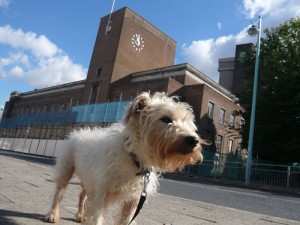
{"points": [[118, 97], [95, 92], [46, 107], [210, 113], [219, 145]]}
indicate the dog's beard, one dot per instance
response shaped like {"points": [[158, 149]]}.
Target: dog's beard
{"points": [[171, 152]]}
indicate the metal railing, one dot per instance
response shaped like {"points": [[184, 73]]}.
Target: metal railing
{"points": [[278, 176]]}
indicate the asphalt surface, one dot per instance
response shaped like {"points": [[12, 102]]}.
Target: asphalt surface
{"points": [[284, 205], [26, 192]]}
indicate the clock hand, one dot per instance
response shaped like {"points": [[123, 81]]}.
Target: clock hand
{"points": [[137, 41]]}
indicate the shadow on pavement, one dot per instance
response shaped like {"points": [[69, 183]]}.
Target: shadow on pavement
{"points": [[29, 158], [6, 216]]}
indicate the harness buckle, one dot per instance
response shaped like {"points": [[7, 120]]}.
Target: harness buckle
{"points": [[146, 182]]}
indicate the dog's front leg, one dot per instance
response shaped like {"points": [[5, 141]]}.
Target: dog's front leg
{"points": [[127, 211]]}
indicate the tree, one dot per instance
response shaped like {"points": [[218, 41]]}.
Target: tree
{"points": [[277, 121]]}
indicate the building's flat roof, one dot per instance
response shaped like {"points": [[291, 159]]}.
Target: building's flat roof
{"points": [[182, 69], [53, 89], [229, 59]]}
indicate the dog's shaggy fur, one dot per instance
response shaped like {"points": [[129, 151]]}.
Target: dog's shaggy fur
{"points": [[158, 131]]}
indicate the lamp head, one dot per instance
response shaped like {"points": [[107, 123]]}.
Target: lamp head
{"points": [[253, 31]]}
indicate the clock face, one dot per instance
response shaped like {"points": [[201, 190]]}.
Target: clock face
{"points": [[137, 42]]}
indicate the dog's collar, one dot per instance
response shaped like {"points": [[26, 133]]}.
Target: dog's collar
{"points": [[135, 160], [142, 170]]}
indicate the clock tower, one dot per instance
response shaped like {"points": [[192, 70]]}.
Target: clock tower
{"points": [[126, 43]]}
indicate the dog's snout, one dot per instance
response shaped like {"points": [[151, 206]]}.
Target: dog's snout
{"points": [[191, 141]]}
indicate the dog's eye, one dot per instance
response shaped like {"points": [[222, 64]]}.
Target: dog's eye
{"points": [[166, 119]]}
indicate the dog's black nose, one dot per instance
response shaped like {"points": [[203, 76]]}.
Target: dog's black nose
{"points": [[191, 141]]}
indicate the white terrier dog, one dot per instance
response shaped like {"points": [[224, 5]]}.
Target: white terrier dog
{"points": [[157, 135]]}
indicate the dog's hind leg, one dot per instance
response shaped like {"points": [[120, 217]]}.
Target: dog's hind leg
{"points": [[65, 173], [82, 200], [126, 212]]}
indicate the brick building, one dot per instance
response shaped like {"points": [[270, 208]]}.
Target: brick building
{"points": [[232, 69], [131, 56]]}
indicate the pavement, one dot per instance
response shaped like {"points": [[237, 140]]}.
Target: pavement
{"points": [[27, 188]]}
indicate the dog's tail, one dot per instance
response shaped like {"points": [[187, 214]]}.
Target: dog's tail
{"points": [[64, 167]]}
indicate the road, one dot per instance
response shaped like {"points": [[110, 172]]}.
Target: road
{"points": [[283, 206], [26, 191]]}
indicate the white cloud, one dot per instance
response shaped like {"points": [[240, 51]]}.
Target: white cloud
{"points": [[17, 58], [36, 60], [204, 54], [4, 3], [38, 45], [55, 70], [219, 25], [17, 71], [261, 7]]}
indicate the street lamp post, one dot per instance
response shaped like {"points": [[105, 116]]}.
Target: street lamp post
{"points": [[252, 31]]}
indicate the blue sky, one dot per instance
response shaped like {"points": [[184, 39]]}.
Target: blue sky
{"points": [[50, 42]]}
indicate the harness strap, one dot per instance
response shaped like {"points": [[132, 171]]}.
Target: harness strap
{"points": [[139, 207], [143, 197]]}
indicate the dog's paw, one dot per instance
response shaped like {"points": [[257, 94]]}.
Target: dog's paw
{"points": [[51, 218], [80, 218]]}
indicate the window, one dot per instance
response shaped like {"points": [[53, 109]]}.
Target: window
{"points": [[238, 148], [219, 143], [71, 102], [222, 116], [45, 108], [99, 71], [230, 144], [232, 121], [210, 110], [94, 94], [242, 123], [118, 97]]}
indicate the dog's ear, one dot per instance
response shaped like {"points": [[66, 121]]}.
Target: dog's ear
{"points": [[138, 104]]}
